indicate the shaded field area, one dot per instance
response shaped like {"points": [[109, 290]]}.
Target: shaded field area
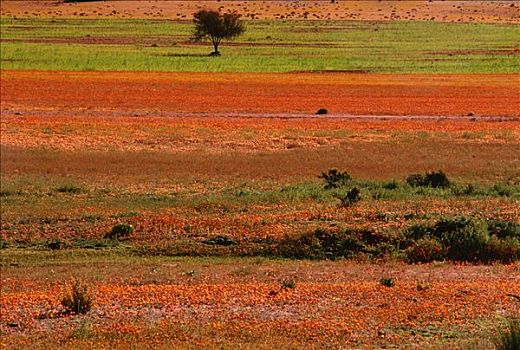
{"points": [[255, 304], [267, 46], [460, 11], [112, 94]]}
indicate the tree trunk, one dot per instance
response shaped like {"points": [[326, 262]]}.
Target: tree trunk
{"points": [[216, 42]]}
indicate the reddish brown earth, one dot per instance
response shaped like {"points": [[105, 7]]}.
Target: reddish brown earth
{"points": [[121, 93], [454, 11]]}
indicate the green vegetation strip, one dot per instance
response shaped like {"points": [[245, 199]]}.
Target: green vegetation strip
{"points": [[267, 46]]}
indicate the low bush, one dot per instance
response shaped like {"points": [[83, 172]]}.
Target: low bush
{"points": [[120, 231], [504, 229], [390, 185], [425, 250], [387, 282], [288, 284], [467, 190], [325, 244], [78, 299], [55, 244], [504, 250], [335, 178], [435, 179], [463, 239], [510, 338], [457, 239], [505, 190], [71, 189], [352, 196]]}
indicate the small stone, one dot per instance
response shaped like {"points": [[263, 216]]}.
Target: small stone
{"points": [[322, 111]]}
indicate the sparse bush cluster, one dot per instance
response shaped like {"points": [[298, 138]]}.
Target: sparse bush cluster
{"points": [[69, 188], [120, 231], [334, 244], [341, 185], [78, 299], [435, 179], [455, 239], [352, 196], [335, 178], [464, 239], [509, 339]]}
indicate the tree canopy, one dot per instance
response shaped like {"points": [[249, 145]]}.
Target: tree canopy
{"points": [[215, 26]]}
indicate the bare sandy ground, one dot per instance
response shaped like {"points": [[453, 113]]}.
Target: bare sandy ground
{"points": [[448, 11]]}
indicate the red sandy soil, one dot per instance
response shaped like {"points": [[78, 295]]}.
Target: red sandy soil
{"points": [[144, 93], [454, 11]]}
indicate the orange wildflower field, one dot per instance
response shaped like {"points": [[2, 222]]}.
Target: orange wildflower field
{"points": [[182, 179], [160, 93], [196, 304]]}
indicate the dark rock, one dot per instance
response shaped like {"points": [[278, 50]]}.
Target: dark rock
{"points": [[221, 240], [322, 111], [54, 245]]}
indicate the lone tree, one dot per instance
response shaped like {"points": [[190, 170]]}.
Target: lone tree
{"points": [[211, 24]]}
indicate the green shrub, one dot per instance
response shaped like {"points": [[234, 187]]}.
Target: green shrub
{"points": [[55, 244], [416, 232], [504, 229], [510, 339], [305, 246], [78, 299], [415, 180], [352, 196], [425, 250], [94, 243], [505, 250], [323, 244], [288, 284], [72, 189], [335, 178], [464, 239], [391, 185], [505, 190], [387, 282], [468, 190], [435, 179], [120, 231]]}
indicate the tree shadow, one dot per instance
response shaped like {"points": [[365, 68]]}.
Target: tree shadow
{"points": [[184, 55]]}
